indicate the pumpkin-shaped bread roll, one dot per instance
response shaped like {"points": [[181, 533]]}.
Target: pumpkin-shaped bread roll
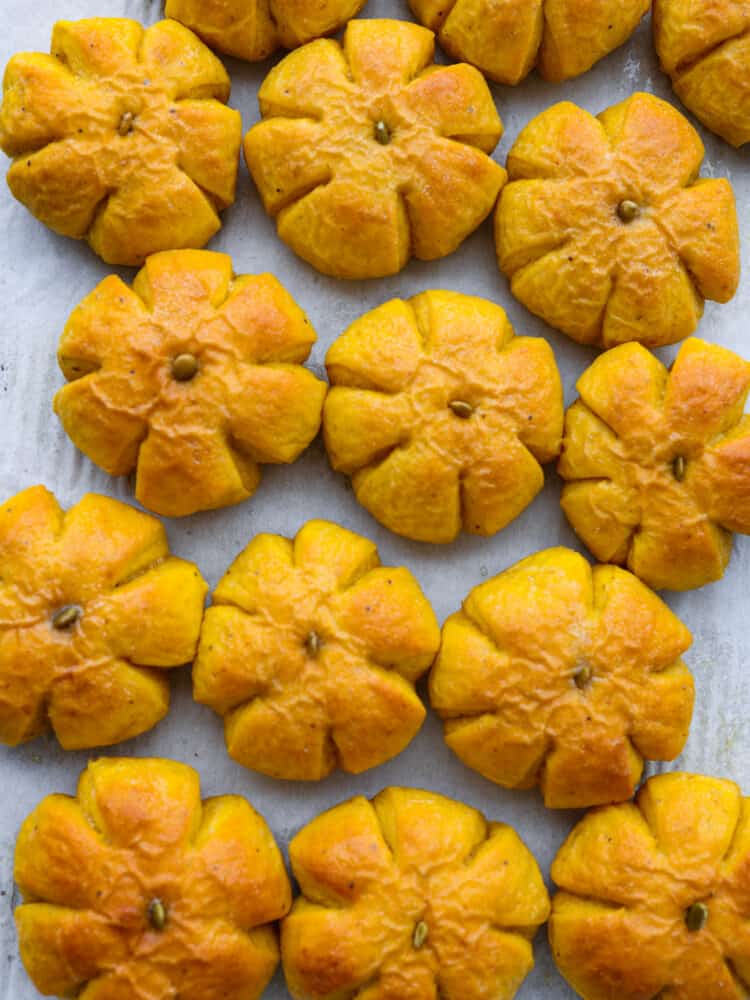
{"points": [[704, 46], [191, 379], [565, 676], [607, 231], [369, 154], [94, 610], [441, 415], [311, 652], [254, 29], [121, 136], [655, 895], [657, 462], [136, 889], [410, 895], [506, 39]]}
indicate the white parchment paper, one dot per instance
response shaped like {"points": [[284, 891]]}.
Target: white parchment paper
{"points": [[43, 276]]}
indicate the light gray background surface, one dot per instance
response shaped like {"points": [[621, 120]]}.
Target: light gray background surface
{"points": [[43, 276]]}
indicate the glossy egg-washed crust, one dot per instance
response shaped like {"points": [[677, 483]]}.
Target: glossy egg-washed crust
{"points": [[122, 136], [606, 230], [629, 876], [91, 869], [561, 675], [255, 29], [311, 652], [704, 46], [658, 462], [410, 897], [197, 444], [100, 680], [353, 205], [420, 468], [506, 39]]}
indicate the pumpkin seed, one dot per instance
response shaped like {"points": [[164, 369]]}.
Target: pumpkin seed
{"points": [[157, 914], [679, 467], [420, 934], [66, 616], [184, 367], [461, 409], [583, 676], [382, 133], [696, 917], [313, 644], [127, 123], [628, 210]]}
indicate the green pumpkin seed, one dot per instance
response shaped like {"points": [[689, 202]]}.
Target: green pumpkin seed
{"points": [[127, 123], [696, 917], [184, 367], [313, 644], [382, 133], [461, 409], [66, 617], [583, 676], [157, 914], [420, 934], [628, 210]]}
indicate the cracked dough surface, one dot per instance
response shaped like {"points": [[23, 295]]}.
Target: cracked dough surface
{"points": [[629, 874], [565, 676], [254, 29], [138, 612], [368, 154], [607, 232], [121, 136], [91, 866], [506, 39], [441, 415], [409, 897], [197, 444], [311, 652], [704, 46], [656, 462]]}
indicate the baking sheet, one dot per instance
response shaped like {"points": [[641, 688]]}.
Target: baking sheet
{"points": [[43, 276]]}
